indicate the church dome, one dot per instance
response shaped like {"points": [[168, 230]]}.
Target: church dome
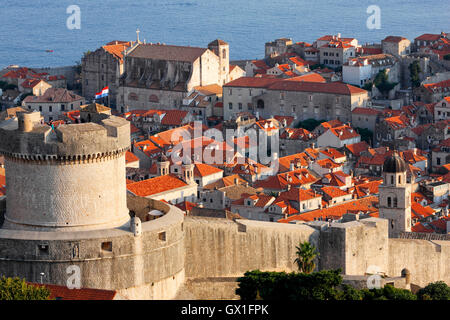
{"points": [[394, 164]]}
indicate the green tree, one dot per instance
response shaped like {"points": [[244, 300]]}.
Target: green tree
{"points": [[18, 289], [309, 124], [382, 83], [322, 285], [19, 103], [368, 86], [306, 253], [434, 291], [388, 292], [414, 70], [366, 134]]}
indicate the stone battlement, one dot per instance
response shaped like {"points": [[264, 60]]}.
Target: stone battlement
{"points": [[28, 139]]}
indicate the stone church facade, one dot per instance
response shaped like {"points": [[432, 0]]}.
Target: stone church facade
{"points": [[160, 76], [103, 68]]}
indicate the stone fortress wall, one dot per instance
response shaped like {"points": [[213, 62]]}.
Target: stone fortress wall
{"points": [[160, 258]]}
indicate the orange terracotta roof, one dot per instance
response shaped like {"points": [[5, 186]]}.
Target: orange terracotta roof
{"points": [[420, 227], [357, 148], [344, 132], [64, 293], [130, 157], [420, 210], [438, 86], [156, 185], [394, 39], [366, 205], [366, 111], [332, 153], [203, 170], [333, 192]]}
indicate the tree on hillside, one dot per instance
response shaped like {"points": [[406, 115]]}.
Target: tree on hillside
{"points": [[306, 253], [18, 289], [414, 70]]}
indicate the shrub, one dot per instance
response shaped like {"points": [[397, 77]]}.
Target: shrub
{"points": [[18, 289]]}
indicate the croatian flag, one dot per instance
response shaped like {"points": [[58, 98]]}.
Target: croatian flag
{"points": [[103, 93]]}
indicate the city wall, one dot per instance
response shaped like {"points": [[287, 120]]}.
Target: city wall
{"points": [[147, 266]]}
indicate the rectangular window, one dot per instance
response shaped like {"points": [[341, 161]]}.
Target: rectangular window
{"points": [[107, 246], [240, 106], [162, 236], [230, 106], [50, 109], [63, 107], [230, 91]]}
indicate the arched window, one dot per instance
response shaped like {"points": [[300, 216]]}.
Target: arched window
{"points": [[153, 98], [133, 96], [395, 202], [260, 104], [389, 202]]}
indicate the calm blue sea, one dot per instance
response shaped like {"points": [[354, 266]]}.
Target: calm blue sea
{"points": [[29, 27]]}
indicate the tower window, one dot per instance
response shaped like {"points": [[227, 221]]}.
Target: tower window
{"points": [[399, 179], [389, 202], [395, 202], [392, 179], [224, 54], [107, 246]]}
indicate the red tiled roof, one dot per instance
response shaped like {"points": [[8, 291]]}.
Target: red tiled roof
{"points": [[302, 86], [309, 77], [116, 48], [332, 153], [357, 148], [367, 205], [428, 37], [333, 192], [167, 52], [155, 185], [64, 293], [130, 157], [367, 111], [419, 227], [394, 39], [344, 132], [174, 117], [54, 95], [203, 170], [437, 86]]}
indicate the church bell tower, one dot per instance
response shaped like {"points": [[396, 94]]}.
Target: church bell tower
{"points": [[395, 196]]}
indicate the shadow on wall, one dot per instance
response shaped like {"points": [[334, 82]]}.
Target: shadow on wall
{"points": [[141, 207], [2, 211]]}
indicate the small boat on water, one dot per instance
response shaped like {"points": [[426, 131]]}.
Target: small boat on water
{"points": [[48, 50]]}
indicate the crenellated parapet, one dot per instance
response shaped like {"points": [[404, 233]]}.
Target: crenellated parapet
{"points": [[27, 139]]}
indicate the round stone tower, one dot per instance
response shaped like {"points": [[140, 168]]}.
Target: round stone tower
{"points": [[70, 178]]}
